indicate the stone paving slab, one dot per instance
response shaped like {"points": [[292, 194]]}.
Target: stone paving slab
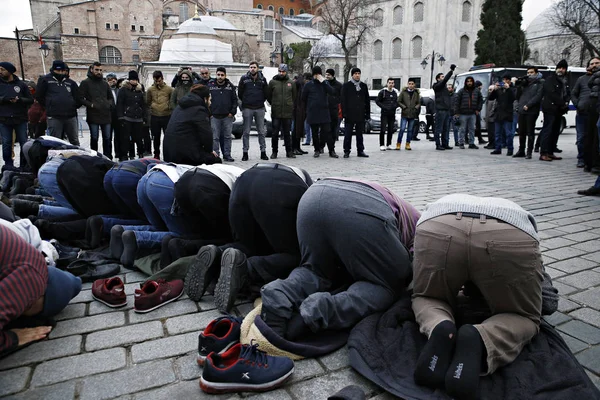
{"points": [[153, 356]]}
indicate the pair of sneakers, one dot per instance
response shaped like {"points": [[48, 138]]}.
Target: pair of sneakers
{"points": [[230, 366], [150, 296]]}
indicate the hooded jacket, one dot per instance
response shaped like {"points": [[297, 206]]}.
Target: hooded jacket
{"points": [[529, 93], [223, 101], [443, 99], [96, 96], [188, 138], [14, 112], [59, 97], [410, 105], [281, 94], [467, 102], [131, 105], [387, 101], [556, 94], [253, 92], [158, 98], [181, 89]]}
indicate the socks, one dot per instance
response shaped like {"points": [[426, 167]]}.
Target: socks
{"points": [[436, 356], [462, 378]]}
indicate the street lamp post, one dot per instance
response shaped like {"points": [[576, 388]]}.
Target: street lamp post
{"points": [[281, 49], [44, 49], [434, 57]]}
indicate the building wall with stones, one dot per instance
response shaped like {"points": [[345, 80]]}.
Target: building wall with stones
{"points": [[32, 58]]}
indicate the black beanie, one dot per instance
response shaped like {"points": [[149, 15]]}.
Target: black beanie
{"points": [[8, 66], [562, 64], [133, 75]]}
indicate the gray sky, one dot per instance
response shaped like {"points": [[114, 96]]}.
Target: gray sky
{"points": [[18, 14]]}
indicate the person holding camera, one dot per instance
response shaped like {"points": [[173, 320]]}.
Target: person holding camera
{"points": [[555, 104], [503, 94], [529, 96]]}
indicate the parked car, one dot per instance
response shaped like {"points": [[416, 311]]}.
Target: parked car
{"points": [[238, 124]]}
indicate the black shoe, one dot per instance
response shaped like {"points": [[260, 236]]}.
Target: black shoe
{"points": [[439, 148], [263, 155], [557, 150], [23, 208], [233, 277], [509, 153], [595, 170], [536, 149], [481, 141], [473, 146], [580, 164], [528, 156], [273, 155], [415, 139], [346, 155], [290, 154], [489, 146], [204, 269], [431, 139], [94, 231], [519, 154], [495, 151], [333, 154], [29, 197], [228, 158], [462, 146], [302, 152], [116, 242], [130, 248], [593, 191], [322, 150], [362, 154], [316, 154], [298, 152], [6, 181], [586, 169], [245, 156], [305, 144], [19, 187], [448, 148]]}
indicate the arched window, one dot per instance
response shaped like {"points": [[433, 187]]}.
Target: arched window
{"points": [[281, 11], [397, 49], [271, 8], [378, 17], [183, 12], [466, 11], [378, 50], [168, 11], [464, 46], [417, 47], [301, 11], [337, 69], [259, 6], [398, 15], [292, 11], [419, 11], [110, 55]]}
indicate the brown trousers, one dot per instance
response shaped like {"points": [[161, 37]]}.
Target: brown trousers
{"points": [[505, 264]]}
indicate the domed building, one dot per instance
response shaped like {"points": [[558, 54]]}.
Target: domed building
{"points": [[327, 52]]}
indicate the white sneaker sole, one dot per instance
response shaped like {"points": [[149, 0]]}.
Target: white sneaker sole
{"points": [[216, 387]]}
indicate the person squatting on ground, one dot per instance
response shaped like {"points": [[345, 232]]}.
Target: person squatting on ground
{"points": [[356, 109], [281, 94], [493, 243], [262, 214], [387, 100], [223, 107], [252, 91], [356, 241]]}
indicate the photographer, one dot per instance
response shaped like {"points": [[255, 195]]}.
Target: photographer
{"points": [[504, 96], [529, 95]]}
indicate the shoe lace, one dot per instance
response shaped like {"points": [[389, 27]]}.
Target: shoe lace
{"points": [[253, 355]]}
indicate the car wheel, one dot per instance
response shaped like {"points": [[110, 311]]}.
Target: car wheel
{"points": [[422, 127]]}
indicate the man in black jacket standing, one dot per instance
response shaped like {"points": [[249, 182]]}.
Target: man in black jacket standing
{"points": [[131, 110], [334, 103], [529, 96], [223, 108], [15, 99], [60, 95], [98, 100], [555, 104], [314, 95], [387, 100], [443, 110], [252, 90], [356, 109]]}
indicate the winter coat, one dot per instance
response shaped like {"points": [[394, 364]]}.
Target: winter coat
{"points": [[443, 100], [252, 92], [335, 98], [466, 101], [387, 101], [130, 102], [314, 95], [410, 105], [158, 99], [529, 94], [224, 101], [580, 95], [95, 95], [556, 95], [281, 94], [594, 85], [356, 105], [504, 103], [60, 98], [181, 89], [14, 112], [188, 138]]}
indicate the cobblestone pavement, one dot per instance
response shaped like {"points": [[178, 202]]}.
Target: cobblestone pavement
{"points": [[99, 353]]}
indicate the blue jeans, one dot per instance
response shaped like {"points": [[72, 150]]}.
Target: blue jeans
{"points": [[467, 126], [442, 128], [403, 124], [106, 138], [120, 185], [6, 131], [580, 124], [515, 121], [54, 212], [221, 129], [110, 220], [259, 119], [47, 178], [307, 133], [504, 128]]}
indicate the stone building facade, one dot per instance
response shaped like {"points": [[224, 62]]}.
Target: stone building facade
{"points": [[284, 7]]}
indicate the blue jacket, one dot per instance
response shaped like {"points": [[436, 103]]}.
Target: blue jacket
{"points": [[14, 112], [61, 98], [253, 92], [223, 98], [314, 95]]}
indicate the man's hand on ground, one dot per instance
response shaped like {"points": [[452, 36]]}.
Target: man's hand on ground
{"points": [[28, 335]]}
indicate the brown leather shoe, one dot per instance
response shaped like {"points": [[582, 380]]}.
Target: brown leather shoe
{"points": [[545, 158], [552, 156]]}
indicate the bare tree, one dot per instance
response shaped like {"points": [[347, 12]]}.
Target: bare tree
{"points": [[580, 18], [317, 53], [349, 21], [239, 48]]}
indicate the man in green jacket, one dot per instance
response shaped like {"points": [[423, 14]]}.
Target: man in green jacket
{"points": [[410, 103], [158, 100], [281, 93], [96, 96]]}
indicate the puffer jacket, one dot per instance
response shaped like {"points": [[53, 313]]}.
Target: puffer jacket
{"points": [[529, 93], [130, 103], [387, 101], [467, 102], [281, 93], [410, 105], [181, 89], [158, 98], [95, 95]]}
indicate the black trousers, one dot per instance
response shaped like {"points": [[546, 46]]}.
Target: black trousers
{"points": [[591, 158], [321, 136], [158, 124], [387, 125], [527, 131], [334, 125], [262, 214], [350, 126], [131, 132], [285, 126], [491, 129], [550, 132]]}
